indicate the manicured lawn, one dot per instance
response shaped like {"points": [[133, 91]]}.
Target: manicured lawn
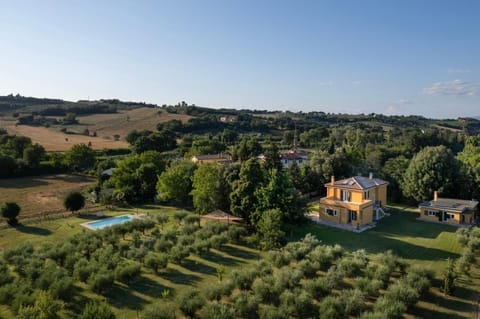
{"points": [[417, 242]]}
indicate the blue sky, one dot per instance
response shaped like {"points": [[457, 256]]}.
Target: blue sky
{"points": [[392, 57]]}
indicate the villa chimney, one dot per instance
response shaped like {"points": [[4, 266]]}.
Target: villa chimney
{"points": [[435, 196], [370, 175], [332, 180]]}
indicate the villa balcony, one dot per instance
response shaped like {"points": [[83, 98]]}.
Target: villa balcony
{"points": [[331, 201]]}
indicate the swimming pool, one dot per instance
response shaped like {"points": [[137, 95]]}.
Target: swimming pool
{"points": [[99, 224]]}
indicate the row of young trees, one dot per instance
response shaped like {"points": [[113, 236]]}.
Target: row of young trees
{"points": [[39, 282], [305, 280]]}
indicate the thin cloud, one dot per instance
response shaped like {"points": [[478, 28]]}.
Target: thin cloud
{"points": [[458, 71], [403, 102], [453, 88]]}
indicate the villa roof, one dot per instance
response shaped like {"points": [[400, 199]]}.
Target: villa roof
{"points": [[213, 157], [358, 183], [450, 204], [294, 154]]}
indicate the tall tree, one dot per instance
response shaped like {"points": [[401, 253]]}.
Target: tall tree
{"points": [[207, 186], [243, 200], [272, 157], [175, 183], [434, 168], [279, 193], [10, 211], [74, 201], [80, 156], [33, 154], [135, 177]]}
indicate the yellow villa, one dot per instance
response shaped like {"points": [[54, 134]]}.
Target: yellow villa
{"points": [[449, 210], [354, 201]]}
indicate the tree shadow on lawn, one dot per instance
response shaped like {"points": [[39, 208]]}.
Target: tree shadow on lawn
{"points": [[178, 277], [196, 266], [122, 297], [406, 224], [33, 230], [238, 252], [440, 301], [374, 242], [149, 287], [22, 182], [219, 259]]}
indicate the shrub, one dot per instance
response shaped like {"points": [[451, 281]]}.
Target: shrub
{"points": [[297, 304], [159, 310], [127, 272], [163, 245], [156, 261], [351, 267], [97, 310], [216, 292], [101, 282], [378, 272], [331, 308], [243, 279], [308, 268], [178, 254], [271, 312], [216, 310], [189, 301], [389, 308], [179, 216], [245, 305], [370, 287], [318, 287], [287, 278], [192, 219], [264, 289], [235, 233], [354, 301], [62, 288], [402, 291], [419, 278], [390, 260]]}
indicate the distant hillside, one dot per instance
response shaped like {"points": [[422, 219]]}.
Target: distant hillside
{"points": [[57, 107]]}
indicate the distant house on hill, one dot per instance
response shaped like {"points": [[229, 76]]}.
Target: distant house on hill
{"points": [[228, 119], [449, 210], [295, 155], [354, 201], [213, 158]]}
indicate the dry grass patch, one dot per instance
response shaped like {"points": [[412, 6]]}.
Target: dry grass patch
{"points": [[55, 141], [41, 194]]}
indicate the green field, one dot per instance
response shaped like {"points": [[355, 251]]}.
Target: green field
{"points": [[415, 241]]}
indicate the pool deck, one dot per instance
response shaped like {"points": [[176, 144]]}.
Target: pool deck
{"points": [[133, 216]]}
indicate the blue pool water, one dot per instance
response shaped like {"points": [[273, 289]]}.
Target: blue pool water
{"points": [[110, 221]]}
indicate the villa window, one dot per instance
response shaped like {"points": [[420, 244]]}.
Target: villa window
{"points": [[345, 196], [330, 212], [367, 195], [430, 213], [451, 216]]}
